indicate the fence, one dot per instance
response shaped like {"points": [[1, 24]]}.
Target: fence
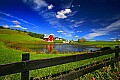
{"points": [[26, 65]]}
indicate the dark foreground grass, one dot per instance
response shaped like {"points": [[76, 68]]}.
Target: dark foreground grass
{"points": [[105, 73]]}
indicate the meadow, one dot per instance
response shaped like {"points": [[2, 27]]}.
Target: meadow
{"points": [[100, 44], [12, 46]]}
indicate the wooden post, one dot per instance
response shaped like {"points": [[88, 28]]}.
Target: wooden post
{"points": [[117, 53], [25, 75], [116, 56]]}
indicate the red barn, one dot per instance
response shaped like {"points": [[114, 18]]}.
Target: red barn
{"points": [[49, 38]]}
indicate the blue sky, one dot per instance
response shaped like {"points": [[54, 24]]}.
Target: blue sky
{"points": [[69, 19]]}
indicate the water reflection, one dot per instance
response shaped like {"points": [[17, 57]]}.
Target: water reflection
{"points": [[66, 48], [49, 47]]}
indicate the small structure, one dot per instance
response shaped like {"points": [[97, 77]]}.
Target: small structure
{"points": [[66, 42], [57, 38], [48, 38], [82, 40]]}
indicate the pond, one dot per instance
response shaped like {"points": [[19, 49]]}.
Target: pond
{"points": [[66, 48]]}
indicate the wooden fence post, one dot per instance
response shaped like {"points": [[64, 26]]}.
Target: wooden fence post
{"points": [[116, 56], [117, 53], [25, 75]]}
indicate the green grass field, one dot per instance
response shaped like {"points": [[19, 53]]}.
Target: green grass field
{"points": [[9, 55], [101, 44], [15, 36]]}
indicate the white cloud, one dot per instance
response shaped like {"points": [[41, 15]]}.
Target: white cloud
{"points": [[93, 35], [16, 22], [79, 31], [118, 35], [50, 6], [17, 26], [24, 28], [113, 38], [62, 14], [77, 23], [76, 36], [59, 31], [52, 34], [104, 31], [63, 33], [67, 11], [5, 26]]}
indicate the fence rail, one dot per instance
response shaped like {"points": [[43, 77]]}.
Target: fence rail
{"points": [[25, 65]]}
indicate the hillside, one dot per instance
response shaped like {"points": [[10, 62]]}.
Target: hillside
{"points": [[11, 40], [16, 36]]}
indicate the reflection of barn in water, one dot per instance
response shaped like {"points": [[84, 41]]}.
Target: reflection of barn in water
{"points": [[48, 38], [49, 48]]}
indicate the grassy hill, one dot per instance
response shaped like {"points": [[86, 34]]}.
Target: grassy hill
{"points": [[16, 36], [10, 38]]}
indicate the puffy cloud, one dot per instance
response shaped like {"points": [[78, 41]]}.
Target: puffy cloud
{"points": [[16, 22], [50, 6], [62, 14], [104, 31], [66, 11]]}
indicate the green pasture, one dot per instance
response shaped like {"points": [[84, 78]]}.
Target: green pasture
{"points": [[100, 44], [15, 36]]}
